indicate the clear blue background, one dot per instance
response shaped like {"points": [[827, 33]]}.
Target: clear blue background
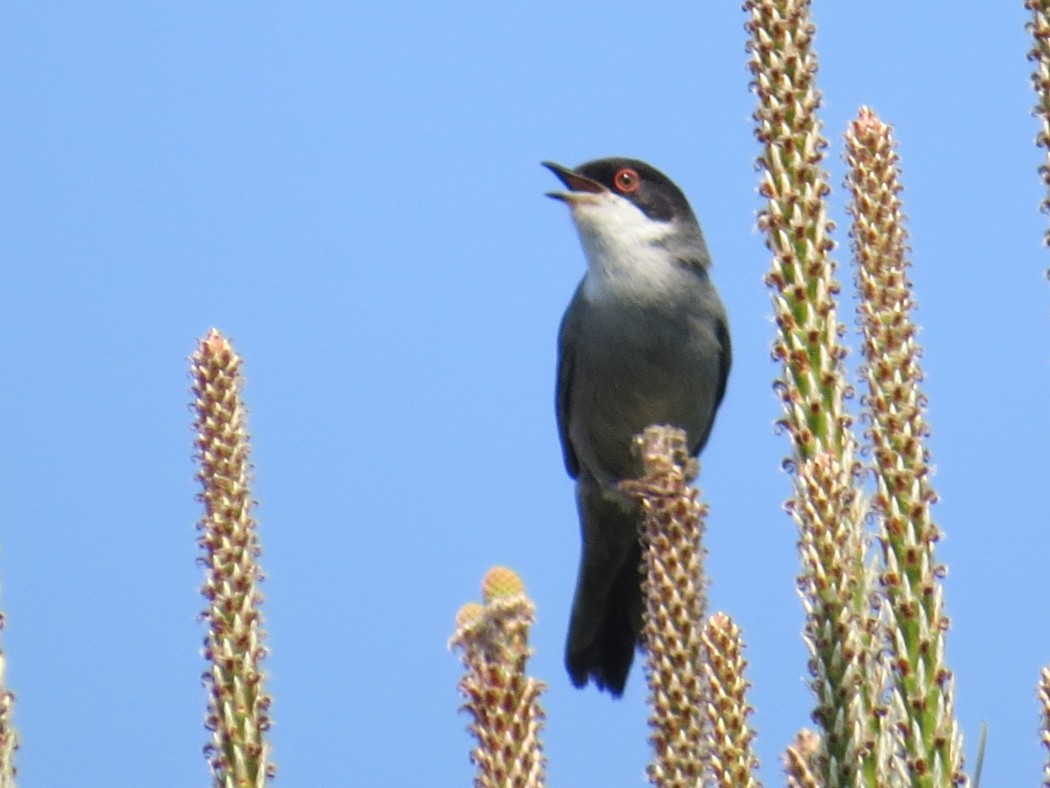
{"points": [[352, 193]]}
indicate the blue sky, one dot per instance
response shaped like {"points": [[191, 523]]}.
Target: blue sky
{"points": [[352, 193]]}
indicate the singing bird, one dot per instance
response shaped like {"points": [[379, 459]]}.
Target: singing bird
{"points": [[644, 341]]}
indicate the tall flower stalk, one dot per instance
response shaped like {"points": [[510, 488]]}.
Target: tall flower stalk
{"points": [[1039, 28], [826, 505], [1044, 720], [732, 759], [675, 599], [501, 698], [238, 705], [910, 576], [8, 734], [798, 760]]}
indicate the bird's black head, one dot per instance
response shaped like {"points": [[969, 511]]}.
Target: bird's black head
{"points": [[650, 190]]}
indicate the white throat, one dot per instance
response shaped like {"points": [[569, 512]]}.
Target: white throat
{"points": [[627, 252]]}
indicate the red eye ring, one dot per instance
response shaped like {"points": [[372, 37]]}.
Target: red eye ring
{"points": [[627, 181]]}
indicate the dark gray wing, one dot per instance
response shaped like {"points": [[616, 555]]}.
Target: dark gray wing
{"points": [[563, 391], [725, 360]]}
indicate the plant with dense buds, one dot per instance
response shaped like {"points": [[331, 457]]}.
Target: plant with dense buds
{"points": [[910, 576], [8, 734], [784, 67], [674, 593], [1039, 28], [732, 760], [502, 699], [826, 504], [798, 760], [238, 707], [1044, 720]]}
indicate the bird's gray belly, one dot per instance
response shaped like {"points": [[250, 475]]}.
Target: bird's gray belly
{"points": [[634, 374]]}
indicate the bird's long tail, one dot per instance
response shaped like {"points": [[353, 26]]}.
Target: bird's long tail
{"points": [[607, 608]]}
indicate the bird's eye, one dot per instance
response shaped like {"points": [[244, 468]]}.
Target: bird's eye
{"points": [[627, 181]]}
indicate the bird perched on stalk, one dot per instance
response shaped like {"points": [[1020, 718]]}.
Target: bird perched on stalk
{"points": [[644, 341]]}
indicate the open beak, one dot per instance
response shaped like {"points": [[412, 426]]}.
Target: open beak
{"points": [[578, 185]]}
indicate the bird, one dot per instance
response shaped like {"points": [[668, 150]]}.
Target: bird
{"points": [[644, 341]]}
